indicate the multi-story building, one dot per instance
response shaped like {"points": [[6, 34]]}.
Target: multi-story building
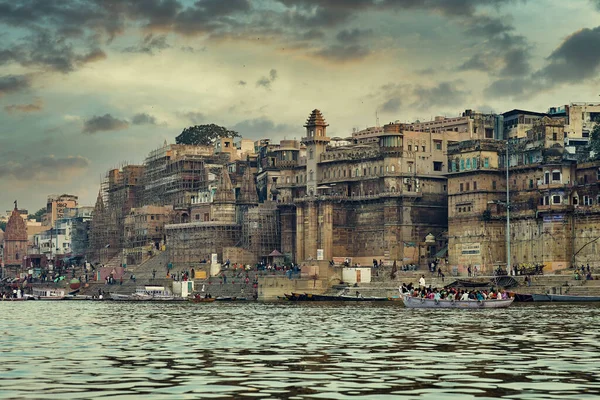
{"points": [[56, 206]]}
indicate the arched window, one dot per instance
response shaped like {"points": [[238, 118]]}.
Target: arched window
{"points": [[393, 168], [311, 175], [310, 154]]}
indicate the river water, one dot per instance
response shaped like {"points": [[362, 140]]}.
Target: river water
{"points": [[85, 350]]}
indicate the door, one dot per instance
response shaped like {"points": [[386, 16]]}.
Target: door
{"points": [[358, 276]]}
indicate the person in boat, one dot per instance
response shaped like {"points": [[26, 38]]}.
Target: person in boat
{"points": [[422, 282], [464, 297]]}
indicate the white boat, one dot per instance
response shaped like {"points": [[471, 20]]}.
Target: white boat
{"points": [[48, 293], [417, 302]]}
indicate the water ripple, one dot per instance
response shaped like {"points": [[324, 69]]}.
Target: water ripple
{"points": [[83, 350]]}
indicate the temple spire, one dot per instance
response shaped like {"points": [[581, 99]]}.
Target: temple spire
{"points": [[224, 193], [248, 193]]}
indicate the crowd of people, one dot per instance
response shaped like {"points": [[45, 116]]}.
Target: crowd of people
{"points": [[451, 293]]}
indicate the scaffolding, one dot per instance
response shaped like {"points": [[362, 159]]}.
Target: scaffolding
{"points": [[175, 174], [261, 230]]}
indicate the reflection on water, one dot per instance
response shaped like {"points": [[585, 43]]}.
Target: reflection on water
{"points": [[58, 350]]}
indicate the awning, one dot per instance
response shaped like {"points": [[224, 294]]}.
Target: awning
{"points": [[441, 253], [275, 253]]}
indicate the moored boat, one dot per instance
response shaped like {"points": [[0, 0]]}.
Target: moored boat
{"points": [[202, 299], [416, 302], [572, 298]]}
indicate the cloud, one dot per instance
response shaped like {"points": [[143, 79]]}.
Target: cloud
{"points": [[43, 169], [150, 44], [353, 35], [575, 60], [421, 97], [343, 53], [13, 83], [475, 63], [143, 119], [264, 127], [510, 87], [242, 83], [105, 122], [516, 63], [266, 81], [391, 106], [194, 117], [444, 94], [36, 106]]}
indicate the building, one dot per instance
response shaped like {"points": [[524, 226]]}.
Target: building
{"points": [[15, 242], [56, 206]]}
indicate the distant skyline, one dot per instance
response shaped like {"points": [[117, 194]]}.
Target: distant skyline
{"points": [[89, 85]]}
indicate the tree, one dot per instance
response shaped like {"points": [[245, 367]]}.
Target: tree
{"points": [[3, 226], [204, 135], [595, 140], [39, 214]]}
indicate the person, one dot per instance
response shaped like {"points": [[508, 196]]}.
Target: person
{"points": [[439, 272], [422, 282], [153, 274], [469, 270]]}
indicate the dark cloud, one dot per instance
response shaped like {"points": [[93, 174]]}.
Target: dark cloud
{"points": [[312, 34], [143, 119], [516, 63], [475, 63], [391, 106], [596, 3], [104, 122], [264, 127], [43, 49], [13, 83], [242, 83], [575, 60], [509, 87], [343, 53], [444, 94], [266, 81], [150, 44], [354, 35], [36, 106], [43, 169], [194, 117]]}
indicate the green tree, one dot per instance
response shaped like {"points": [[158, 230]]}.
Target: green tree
{"points": [[595, 140], [39, 214], [3, 226], [204, 135]]}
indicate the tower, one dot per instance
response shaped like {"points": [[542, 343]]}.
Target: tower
{"points": [[15, 239], [223, 208], [316, 141]]}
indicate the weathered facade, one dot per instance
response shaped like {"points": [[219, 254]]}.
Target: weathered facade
{"points": [[15, 239]]}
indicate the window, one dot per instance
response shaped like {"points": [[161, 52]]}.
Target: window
{"points": [[462, 164], [311, 175], [554, 136], [585, 179], [556, 199], [475, 185], [206, 217], [310, 154], [555, 176], [575, 200], [468, 163], [461, 187], [486, 162], [319, 132], [198, 217], [494, 185], [547, 177], [587, 201], [438, 144], [474, 163], [356, 172], [531, 184], [364, 172], [444, 188], [423, 148], [409, 147], [468, 186], [393, 168], [410, 167], [437, 165], [152, 217]]}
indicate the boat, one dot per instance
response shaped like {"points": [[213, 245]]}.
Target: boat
{"points": [[48, 293], [202, 299], [565, 298], [416, 302], [323, 297], [230, 298]]}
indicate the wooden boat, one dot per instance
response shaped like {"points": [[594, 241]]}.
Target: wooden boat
{"points": [[572, 298], [323, 297], [416, 302], [540, 297], [48, 293], [202, 299]]}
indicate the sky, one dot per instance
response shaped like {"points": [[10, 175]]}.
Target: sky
{"points": [[91, 85]]}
